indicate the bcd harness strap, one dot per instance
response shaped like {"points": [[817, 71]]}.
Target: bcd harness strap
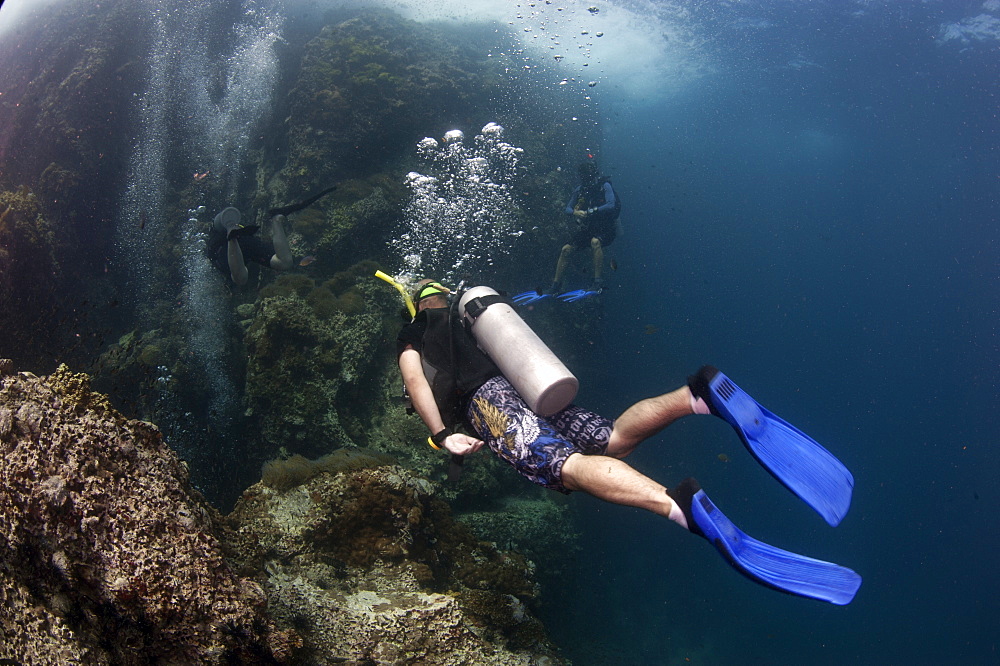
{"points": [[476, 306]]}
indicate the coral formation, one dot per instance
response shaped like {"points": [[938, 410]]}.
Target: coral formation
{"points": [[368, 565], [103, 537], [353, 221], [535, 524], [29, 273], [305, 343], [367, 85]]}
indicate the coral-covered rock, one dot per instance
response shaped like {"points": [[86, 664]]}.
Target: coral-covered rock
{"points": [[305, 344], [106, 553], [30, 276], [371, 83], [537, 525], [367, 566]]}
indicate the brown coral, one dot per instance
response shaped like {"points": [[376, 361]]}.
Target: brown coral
{"points": [[369, 567], [284, 474], [108, 555]]}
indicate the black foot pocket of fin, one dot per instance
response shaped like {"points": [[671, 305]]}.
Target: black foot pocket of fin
{"points": [[683, 495], [248, 230], [699, 384]]}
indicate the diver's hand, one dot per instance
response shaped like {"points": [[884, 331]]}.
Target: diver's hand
{"points": [[461, 444], [580, 213]]}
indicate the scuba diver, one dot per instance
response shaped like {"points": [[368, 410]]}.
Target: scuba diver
{"points": [[595, 207], [499, 400], [231, 244]]}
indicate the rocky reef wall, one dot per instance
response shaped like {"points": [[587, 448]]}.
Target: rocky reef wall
{"points": [[64, 140], [106, 553], [108, 556]]}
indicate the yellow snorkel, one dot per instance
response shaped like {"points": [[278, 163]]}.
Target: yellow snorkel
{"points": [[401, 289]]}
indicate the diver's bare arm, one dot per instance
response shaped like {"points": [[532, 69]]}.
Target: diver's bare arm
{"points": [[419, 389], [423, 401]]}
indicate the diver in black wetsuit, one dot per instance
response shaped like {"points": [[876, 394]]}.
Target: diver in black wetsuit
{"points": [[231, 244], [595, 207]]}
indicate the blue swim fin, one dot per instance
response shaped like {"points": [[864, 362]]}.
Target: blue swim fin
{"points": [[772, 567], [790, 455], [574, 296], [529, 297]]}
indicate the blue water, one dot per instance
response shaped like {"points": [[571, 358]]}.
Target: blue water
{"points": [[826, 234], [811, 203]]}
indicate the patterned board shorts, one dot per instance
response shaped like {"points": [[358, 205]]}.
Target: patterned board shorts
{"points": [[535, 446]]}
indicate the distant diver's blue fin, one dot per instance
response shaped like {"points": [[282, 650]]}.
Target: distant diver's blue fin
{"points": [[772, 567], [528, 297], [574, 296], [790, 455]]}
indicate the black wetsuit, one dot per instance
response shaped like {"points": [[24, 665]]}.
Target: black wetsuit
{"points": [[255, 250], [454, 365]]}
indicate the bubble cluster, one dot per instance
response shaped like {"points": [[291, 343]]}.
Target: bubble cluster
{"points": [[462, 211]]}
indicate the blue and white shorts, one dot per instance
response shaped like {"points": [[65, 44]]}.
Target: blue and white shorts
{"points": [[535, 446]]}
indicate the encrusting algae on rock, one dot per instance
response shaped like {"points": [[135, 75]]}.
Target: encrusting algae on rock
{"points": [[110, 557], [103, 536], [368, 566]]}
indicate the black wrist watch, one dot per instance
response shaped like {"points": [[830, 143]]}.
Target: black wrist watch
{"points": [[438, 438]]}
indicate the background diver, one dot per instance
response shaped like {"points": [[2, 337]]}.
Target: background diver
{"points": [[595, 207], [452, 385], [231, 244]]}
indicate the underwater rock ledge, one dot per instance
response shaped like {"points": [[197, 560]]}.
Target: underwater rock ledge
{"points": [[107, 555]]}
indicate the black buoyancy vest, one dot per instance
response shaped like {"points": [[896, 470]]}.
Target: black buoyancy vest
{"points": [[454, 365], [217, 237], [594, 196]]}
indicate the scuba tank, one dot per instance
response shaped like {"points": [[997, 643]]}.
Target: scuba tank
{"points": [[540, 378]]}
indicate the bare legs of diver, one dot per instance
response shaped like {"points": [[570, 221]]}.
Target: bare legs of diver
{"points": [[237, 267], [597, 251], [281, 260], [608, 478]]}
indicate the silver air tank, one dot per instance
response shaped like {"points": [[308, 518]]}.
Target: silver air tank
{"points": [[540, 378]]}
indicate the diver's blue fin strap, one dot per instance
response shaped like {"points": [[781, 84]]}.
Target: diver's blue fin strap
{"points": [[790, 455], [770, 566]]}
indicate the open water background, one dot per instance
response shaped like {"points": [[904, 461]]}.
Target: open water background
{"points": [[818, 218]]}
